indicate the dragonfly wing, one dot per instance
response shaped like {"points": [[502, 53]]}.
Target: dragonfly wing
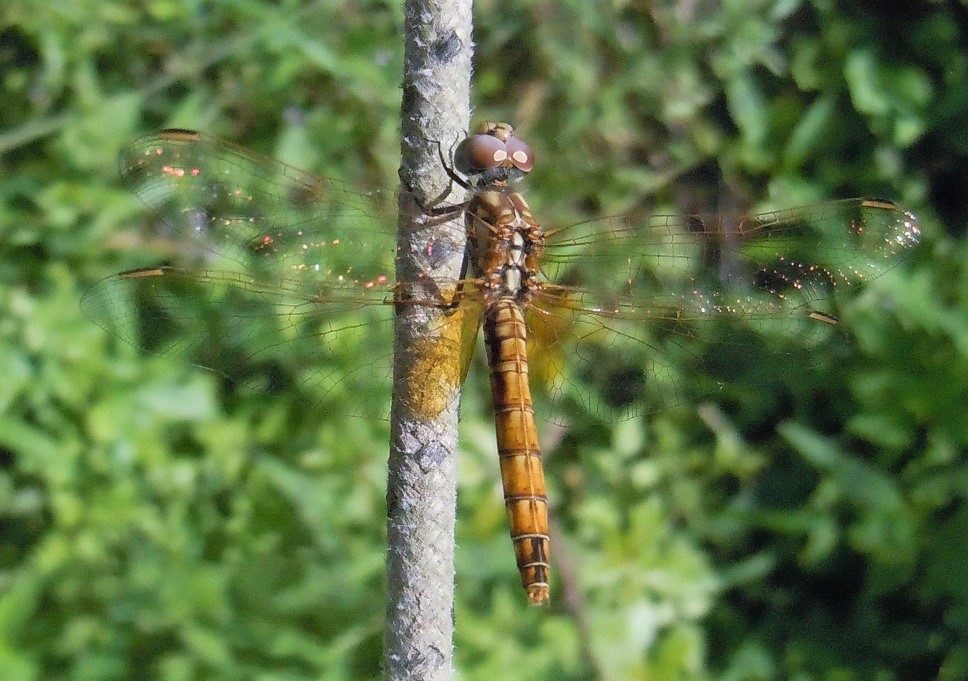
{"points": [[685, 302], [613, 366], [803, 251], [333, 348], [439, 358], [290, 283], [228, 207], [262, 337]]}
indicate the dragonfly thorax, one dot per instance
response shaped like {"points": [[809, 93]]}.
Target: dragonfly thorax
{"points": [[505, 242]]}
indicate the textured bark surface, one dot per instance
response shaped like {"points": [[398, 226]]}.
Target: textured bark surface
{"points": [[422, 486]]}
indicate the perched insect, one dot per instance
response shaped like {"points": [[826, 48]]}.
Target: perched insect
{"points": [[297, 274]]}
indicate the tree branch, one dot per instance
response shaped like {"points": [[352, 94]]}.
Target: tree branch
{"points": [[422, 485]]}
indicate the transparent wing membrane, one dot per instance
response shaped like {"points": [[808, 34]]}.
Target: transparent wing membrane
{"points": [[649, 301], [809, 248], [294, 285], [252, 212]]}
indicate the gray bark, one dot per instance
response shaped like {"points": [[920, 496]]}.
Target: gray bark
{"points": [[422, 485]]}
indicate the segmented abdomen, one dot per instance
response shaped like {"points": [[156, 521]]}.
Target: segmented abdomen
{"points": [[517, 443]]}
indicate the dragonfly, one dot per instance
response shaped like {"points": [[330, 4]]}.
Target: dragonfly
{"points": [[282, 271]]}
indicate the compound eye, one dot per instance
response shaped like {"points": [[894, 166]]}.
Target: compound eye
{"points": [[520, 154], [480, 152]]}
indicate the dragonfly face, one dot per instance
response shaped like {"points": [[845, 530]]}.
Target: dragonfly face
{"points": [[291, 273], [493, 155]]}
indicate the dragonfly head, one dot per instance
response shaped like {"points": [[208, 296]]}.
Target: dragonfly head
{"points": [[493, 155]]}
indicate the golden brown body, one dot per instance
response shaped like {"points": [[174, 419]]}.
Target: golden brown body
{"points": [[505, 244], [517, 445]]}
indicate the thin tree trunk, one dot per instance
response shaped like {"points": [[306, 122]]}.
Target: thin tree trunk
{"points": [[422, 486]]}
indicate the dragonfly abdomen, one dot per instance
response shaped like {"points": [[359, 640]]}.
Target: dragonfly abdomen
{"points": [[522, 475]]}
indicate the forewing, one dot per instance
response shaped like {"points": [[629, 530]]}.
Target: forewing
{"points": [[225, 205], [290, 283]]}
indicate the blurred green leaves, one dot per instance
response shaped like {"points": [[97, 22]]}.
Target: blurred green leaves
{"points": [[893, 99], [154, 523]]}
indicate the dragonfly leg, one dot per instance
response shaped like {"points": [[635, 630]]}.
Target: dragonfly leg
{"points": [[448, 166], [435, 208]]}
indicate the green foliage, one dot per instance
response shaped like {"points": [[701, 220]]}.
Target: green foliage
{"points": [[154, 523]]}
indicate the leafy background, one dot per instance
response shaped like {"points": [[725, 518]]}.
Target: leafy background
{"points": [[153, 525]]}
